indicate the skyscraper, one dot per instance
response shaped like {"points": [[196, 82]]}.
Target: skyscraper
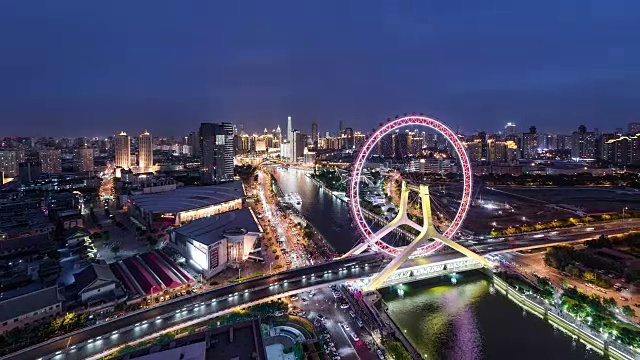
{"points": [[530, 144], [145, 152], [51, 161], [82, 159], [9, 163], [510, 131], [583, 144], [123, 150], [633, 128], [289, 129], [217, 151], [314, 134]]}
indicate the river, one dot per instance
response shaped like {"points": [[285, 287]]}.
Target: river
{"points": [[467, 321], [443, 321], [327, 214]]}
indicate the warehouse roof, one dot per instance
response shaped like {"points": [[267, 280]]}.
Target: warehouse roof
{"points": [[209, 230], [28, 303], [189, 198]]}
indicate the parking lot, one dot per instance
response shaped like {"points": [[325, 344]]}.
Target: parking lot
{"points": [[338, 326]]}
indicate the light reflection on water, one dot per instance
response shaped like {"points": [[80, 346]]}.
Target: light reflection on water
{"points": [[465, 321]]}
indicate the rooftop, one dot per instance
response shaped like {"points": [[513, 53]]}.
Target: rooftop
{"points": [[28, 303], [94, 276], [189, 198], [210, 230]]}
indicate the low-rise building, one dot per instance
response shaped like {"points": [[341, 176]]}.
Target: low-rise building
{"points": [[172, 208], [213, 242], [30, 308], [96, 283]]}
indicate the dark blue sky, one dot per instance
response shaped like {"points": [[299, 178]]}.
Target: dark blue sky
{"points": [[78, 67]]}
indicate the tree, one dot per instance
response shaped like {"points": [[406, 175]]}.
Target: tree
{"points": [[628, 311], [573, 270], [115, 249], [610, 303], [589, 276]]}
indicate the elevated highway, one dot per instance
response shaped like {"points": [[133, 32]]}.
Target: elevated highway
{"points": [[96, 339]]}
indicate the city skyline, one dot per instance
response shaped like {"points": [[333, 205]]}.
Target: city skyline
{"points": [[103, 75]]}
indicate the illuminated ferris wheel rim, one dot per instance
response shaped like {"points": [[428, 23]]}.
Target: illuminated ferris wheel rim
{"points": [[363, 153]]}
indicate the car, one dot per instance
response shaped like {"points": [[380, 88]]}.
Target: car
{"points": [[344, 305], [279, 313], [161, 298], [354, 336], [345, 326], [321, 317], [294, 297], [359, 322], [352, 314], [380, 354]]}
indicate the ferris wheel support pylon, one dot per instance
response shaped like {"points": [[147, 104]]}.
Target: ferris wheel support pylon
{"points": [[427, 232]]}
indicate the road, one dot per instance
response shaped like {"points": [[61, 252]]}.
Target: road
{"points": [[550, 237], [94, 340], [282, 228], [323, 302], [527, 264], [169, 314]]}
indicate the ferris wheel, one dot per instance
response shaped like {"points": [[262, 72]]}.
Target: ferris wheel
{"points": [[399, 152]]}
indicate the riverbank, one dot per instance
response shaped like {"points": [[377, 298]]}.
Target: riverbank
{"points": [[563, 321], [338, 195], [318, 239]]}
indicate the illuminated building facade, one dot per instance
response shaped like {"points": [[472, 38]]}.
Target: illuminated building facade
{"points": [[145, 152], [123, 150]]}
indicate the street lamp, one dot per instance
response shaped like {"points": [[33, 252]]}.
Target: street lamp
{"points": [[623, 210]]}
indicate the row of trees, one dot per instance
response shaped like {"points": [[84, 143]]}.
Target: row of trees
{"points": [[563, 223], [569, 260], [22, 337], [599, 313], [582, 179]]}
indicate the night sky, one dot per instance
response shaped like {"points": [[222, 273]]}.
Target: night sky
{"points": [[94, 67]]}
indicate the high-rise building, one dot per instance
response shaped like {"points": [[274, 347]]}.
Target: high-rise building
{"points": [[193, 140], [510, 131], [530, 144], [314, 134], [217, 151], [622, 150], [9, 160], [349, 142], [289, 129], [82, 159], [633, 128], [297, 146], [145, 152], [51, 161], [563, 142], [123, 150], [583, 144]]}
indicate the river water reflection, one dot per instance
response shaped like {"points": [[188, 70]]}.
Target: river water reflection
{"points": [[466, 321]]}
